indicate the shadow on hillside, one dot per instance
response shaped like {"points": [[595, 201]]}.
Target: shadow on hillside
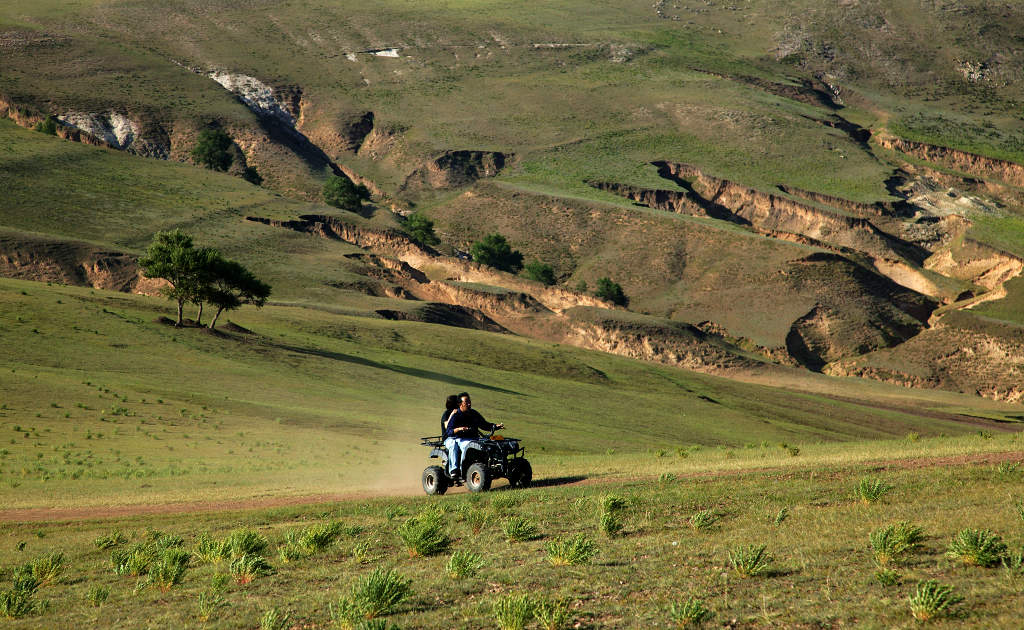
{"points": [[401, 369]]}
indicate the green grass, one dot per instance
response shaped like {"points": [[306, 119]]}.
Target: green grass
{"points": [[108, 405], [801, 587]]}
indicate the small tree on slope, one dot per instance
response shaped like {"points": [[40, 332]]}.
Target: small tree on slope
{"points": [[234, 285], [173, 257]]}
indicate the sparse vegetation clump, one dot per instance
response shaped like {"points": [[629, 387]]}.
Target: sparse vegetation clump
{"points": [[871, 490], [573, 550], [246, 568], [519, 528], [421, 229], [979, 547], [703, 519], [750, 560], [551, 614], [689, 614], [425, 534], [513, 612], [893, 541], [378, 594], [611, 291], [464, 563], [169, 568], [932, 600], [540, 272]]}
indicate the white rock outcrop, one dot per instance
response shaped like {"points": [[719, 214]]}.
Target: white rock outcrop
{"points": [[117, 130], [258, 96]]}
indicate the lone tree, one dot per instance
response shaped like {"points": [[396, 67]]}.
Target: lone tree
{"points": [[611, 291], [541, 272], [173, 257], [340, 192], [212, 149], [233, 286], [493, 250], [200, 276], [421, 229]]}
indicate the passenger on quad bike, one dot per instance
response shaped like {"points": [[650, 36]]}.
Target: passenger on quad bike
{"points": [[464, 424], [481, 459]]}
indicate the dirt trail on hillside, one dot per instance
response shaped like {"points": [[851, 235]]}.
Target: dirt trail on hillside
{"points": [[127, 511]]}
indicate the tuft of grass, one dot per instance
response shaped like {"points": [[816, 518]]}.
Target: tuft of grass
{"points": [[552, 614], [111, 540], [513, 612], [979, 547], [887, 577], [97, 595], [932, 600], [245, 542], [48, 569], [574, 550], [519, 529], [782, 515], [245, 568], [475, 518], [1007, 468], [749, 561], [425, 535], [890, 542], [208, 602], [274, 619], [612, 503], [16, 603], [610, 524], [703, 519], [505, 502], [1013, 566], [690, 613], [380, 593], [872, 489], [133, 561], [319, 537], [209, 550], [464, 564], [169, 568]]}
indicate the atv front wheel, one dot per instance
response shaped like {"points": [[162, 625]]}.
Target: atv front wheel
{"points": [[434, 481], [520, 473], [478, 478]]}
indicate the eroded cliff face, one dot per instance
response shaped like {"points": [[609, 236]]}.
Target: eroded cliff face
{"points": [[454, 169], [493, 298], [74, 263], [970, 163]]}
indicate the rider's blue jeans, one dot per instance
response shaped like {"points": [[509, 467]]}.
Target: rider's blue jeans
{"points": [[454, 447]]}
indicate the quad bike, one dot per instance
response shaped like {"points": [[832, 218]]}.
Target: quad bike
{"points": [[483, 460]]}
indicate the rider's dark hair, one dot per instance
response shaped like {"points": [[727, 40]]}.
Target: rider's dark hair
{"points": [[463, 395], [451, 402]]}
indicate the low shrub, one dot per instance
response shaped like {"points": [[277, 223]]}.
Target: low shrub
{"points": [[425, 535], [611, 524], [111, 540], [519, 529], [246, 542], [380, 593], [871, 490], [513, 612], [703, 519], [464, 564], [574, 550], [274, 619], [932, 600], [552, 614], [690, 613], [749, 561], [97, 595], [168, 569], [979, 547], [893, 541], [245, 568], [48, 569]]}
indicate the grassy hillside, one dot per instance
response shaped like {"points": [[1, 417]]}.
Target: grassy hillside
{"points": [[105, 404]]}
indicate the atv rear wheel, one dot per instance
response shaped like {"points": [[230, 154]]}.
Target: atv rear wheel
{"points": [[478, 478], [520, 473], [434, 481]]}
